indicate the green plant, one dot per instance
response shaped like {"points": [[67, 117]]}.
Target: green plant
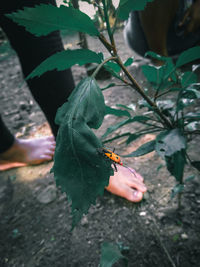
{"points": [[79, 169]]}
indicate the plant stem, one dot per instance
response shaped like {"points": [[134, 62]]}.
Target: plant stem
{"points": [[107, 21], [140, 90], [101, 65], [134, 84]]}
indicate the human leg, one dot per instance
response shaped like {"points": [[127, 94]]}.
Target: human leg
{"points": [[50, 91]]}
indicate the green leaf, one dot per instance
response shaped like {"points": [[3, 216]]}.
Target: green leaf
{"points": [[5, 51], [190, 94], [177, 190], [183, 103], [188, 78], [65, 59], [142, 150], [168, 67], [175, 164], [110, 254], [169, 142], [115, 137], [129, 107], [171, 146], [112, 65], [117, 112], [191, 116], [196, 164], [132, 138], [128, 62], [115, 127], [124, 122], [108, 86], [44, 19], [153, 74], [79, 169], [126, 6], [188, 56], [189, 178]]}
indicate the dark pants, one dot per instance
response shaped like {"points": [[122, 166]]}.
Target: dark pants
{"points": [[52, 89]]}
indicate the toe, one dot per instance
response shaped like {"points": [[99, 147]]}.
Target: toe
{"points": [[134, 196]]}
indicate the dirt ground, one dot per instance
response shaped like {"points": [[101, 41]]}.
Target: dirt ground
{"points": [[35, 217]]}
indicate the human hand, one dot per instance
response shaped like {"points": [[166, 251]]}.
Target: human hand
{"points": [[191, 19]]}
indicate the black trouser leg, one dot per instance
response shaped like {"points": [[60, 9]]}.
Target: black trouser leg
{"points": [[52, 89]]}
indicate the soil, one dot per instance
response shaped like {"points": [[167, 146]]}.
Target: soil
{"points": [[35, 218]]}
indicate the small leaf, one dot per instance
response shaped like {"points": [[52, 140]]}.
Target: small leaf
{"points": [[44, 19], [188, 56], [126, 6], [159, 167], [189, 178], [191, 116], [115, 137], [129, 107], [117, 112], [196, 164], [115, 127], [108, 86], [183, 103], [153, 74], [188, 78], [110, 254], [65, 59], [124, 122], [142, 150], [128, 62], [191, 94], [168, 67], [176, 190], [112, 65]]}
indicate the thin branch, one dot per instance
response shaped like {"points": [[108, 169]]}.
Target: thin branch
{"points": [[101, 65]]}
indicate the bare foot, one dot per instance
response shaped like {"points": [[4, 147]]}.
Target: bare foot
{"points": [[28, 151], [127, 183]]}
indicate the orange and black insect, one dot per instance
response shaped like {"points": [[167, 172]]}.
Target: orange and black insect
{"points": [[112, 156]]}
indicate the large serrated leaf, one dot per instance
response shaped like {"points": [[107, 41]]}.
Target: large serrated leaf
{"points": [[44, 19], [126, 6], [188, 56], [171, 146], [80, 170], [169, 142], [65, 59], [110, 254]]}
